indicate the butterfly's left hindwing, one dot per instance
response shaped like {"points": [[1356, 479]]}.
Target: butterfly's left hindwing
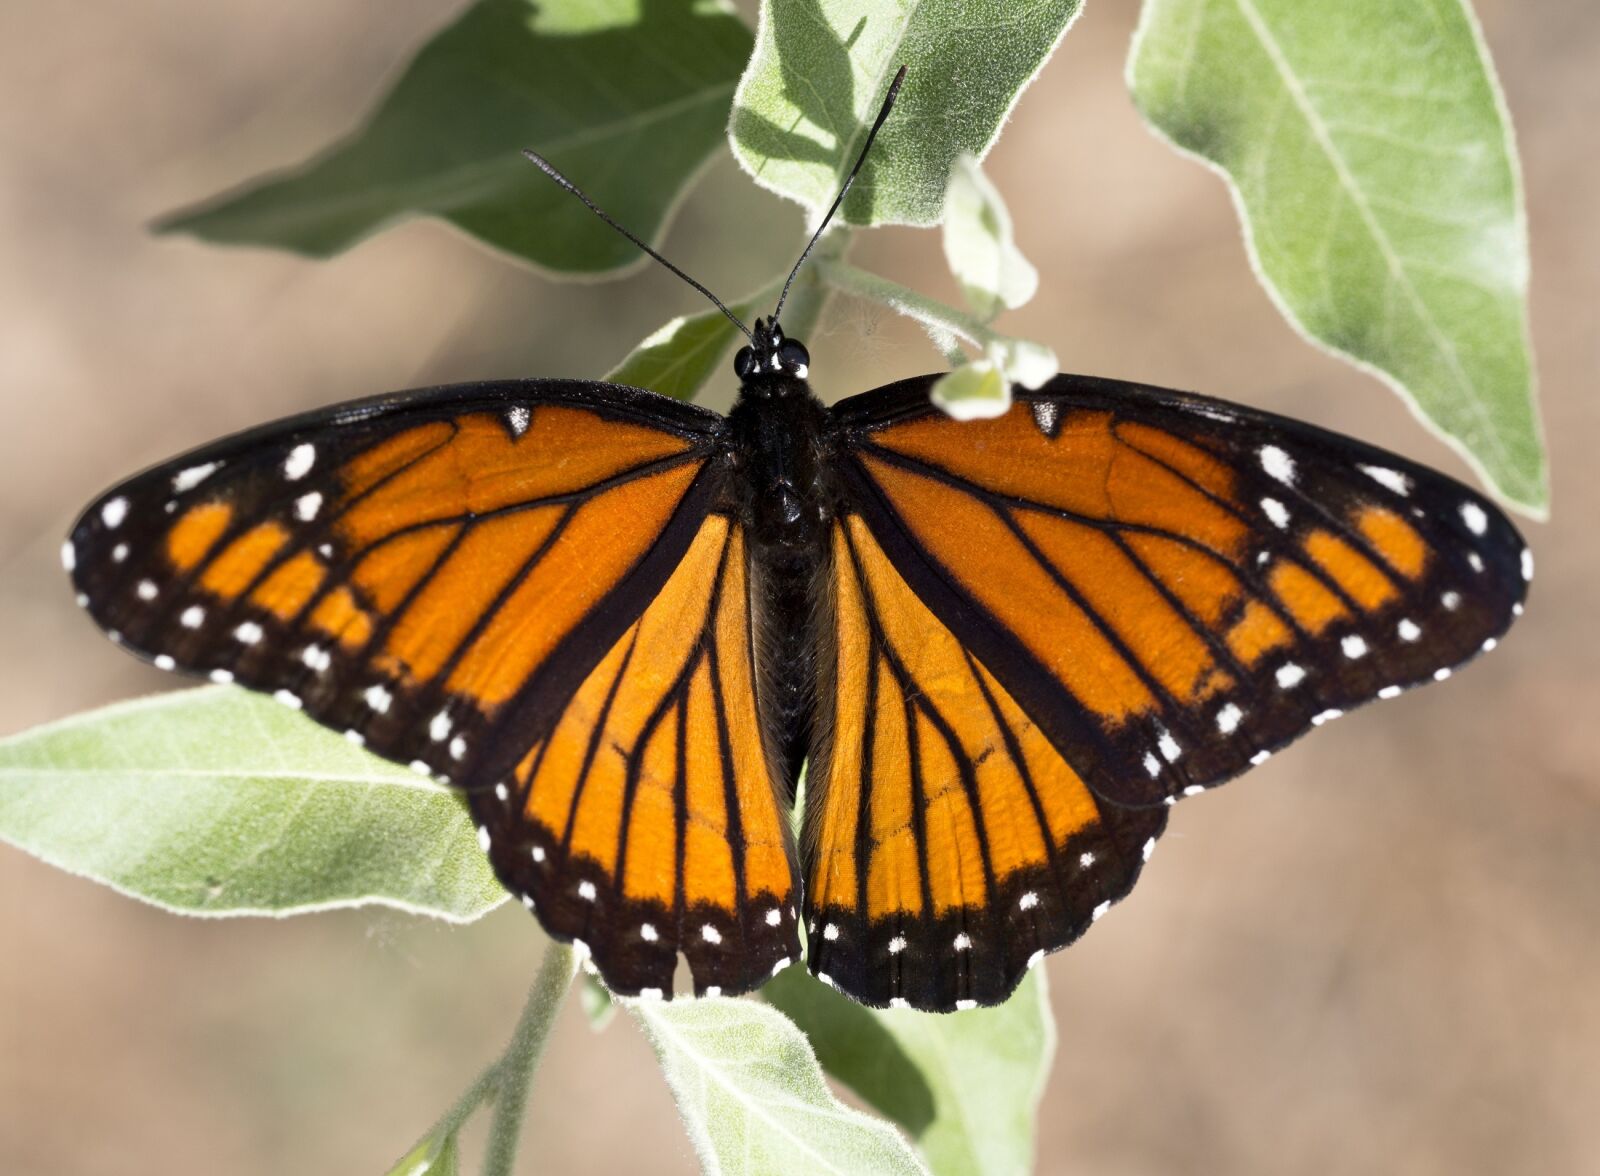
{"points": [[647, 823]]}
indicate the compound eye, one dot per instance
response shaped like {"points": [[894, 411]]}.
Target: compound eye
{"points": [[744, 363], [794, 357]]}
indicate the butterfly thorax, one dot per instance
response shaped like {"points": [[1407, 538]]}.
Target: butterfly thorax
{"points": [[778, 441]]}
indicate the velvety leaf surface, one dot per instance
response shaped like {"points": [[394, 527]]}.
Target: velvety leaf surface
{"points": [[628, 99], [753, 1097], [218, 801], [820, 71], [966, 1086], [1371, 158]]}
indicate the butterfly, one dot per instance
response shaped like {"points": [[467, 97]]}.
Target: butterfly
{"points": [[622, 624]]}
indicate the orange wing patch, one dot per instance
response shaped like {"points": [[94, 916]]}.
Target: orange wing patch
{"points": [[952, 843], [401, 582], [648, 823], [1179, 587]]}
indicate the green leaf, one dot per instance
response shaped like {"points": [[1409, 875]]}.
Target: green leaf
{"points": [[436, 1155], [678, 359], [218, 801], [820, 71], [974, 391], [629, 99], [979, 246], [753, 1097], [1371, 157], [965, 1085], [596, 1000]]}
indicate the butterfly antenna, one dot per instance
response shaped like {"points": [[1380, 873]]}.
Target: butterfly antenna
{"points": [[883, 113], [549, 169]]}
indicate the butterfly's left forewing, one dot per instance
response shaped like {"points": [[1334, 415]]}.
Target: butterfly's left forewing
{"points": [[1160, 589]]}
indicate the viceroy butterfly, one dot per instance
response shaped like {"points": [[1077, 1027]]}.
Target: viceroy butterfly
{"points": [[621, 624]]}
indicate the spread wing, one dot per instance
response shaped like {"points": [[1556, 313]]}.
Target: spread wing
{"points": [[440, 575], [1160, 588]]}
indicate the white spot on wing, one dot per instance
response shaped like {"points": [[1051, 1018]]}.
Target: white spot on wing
{"points": [[163, 662], [781, 965], [1527, 563], [713, 990], [962, 942], [586, 890], [1472, 514], [1441, 674], [355, 737], [146, 590], [649, 994], [1475, 561], [1085, 860], [190, 478], [1390, 692], [1149, 848], [538, 853], [1028, 901], [1353, 646], [830, 932], [1152, 765], [316, 658], [458, 747], [1194, 790], [963, 1005], [1228, 719], [647, 932], [420, 767], [710, 934], [501, 792], [221, 677], [1276, 511], [307, 506], [1326, 716], [1045, 415], [288, 698], [299, 462], [899, 1002], [1260, 758], [378, 698], [1099, 912], [483, 838], [1170, 751], [247, 632], [1036, 958], [1451, 601], [1278, 464], [439, 727], [517, 419], [119, 553], [1388, 479], [1489, 644], [192, 617], [1408, 629], [69, 555], [1290, 675], [774, 917], [113, 512]]}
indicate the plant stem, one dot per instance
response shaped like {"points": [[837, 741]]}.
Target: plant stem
{"points": [[513, 1073], [943, 323]]}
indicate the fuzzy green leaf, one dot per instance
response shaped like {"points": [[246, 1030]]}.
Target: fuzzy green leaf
{"points": [[753, 1097], [597, 1003], [437, 1155], [974, 391], [979, 246], [627, 98], [820, 71], [682, 354], [1371, 157], [218, 801], [965, 1085]]}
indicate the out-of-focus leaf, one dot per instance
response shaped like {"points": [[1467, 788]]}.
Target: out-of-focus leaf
{"points": [[218, 801], [753, 1097], [628, 99], [965, 1085], [1371, 156], [974, 391], [597, 1003], [434, 1156], [820, 71], [683, 354], [979, 246]]}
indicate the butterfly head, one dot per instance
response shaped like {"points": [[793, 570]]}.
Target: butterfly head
{"points": [[770, 356]]}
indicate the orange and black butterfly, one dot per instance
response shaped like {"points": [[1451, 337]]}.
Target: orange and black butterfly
{"points": [[621, 624]]}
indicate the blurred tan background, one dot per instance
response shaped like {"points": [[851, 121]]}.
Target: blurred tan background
{"points": [[1380, 953]]}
